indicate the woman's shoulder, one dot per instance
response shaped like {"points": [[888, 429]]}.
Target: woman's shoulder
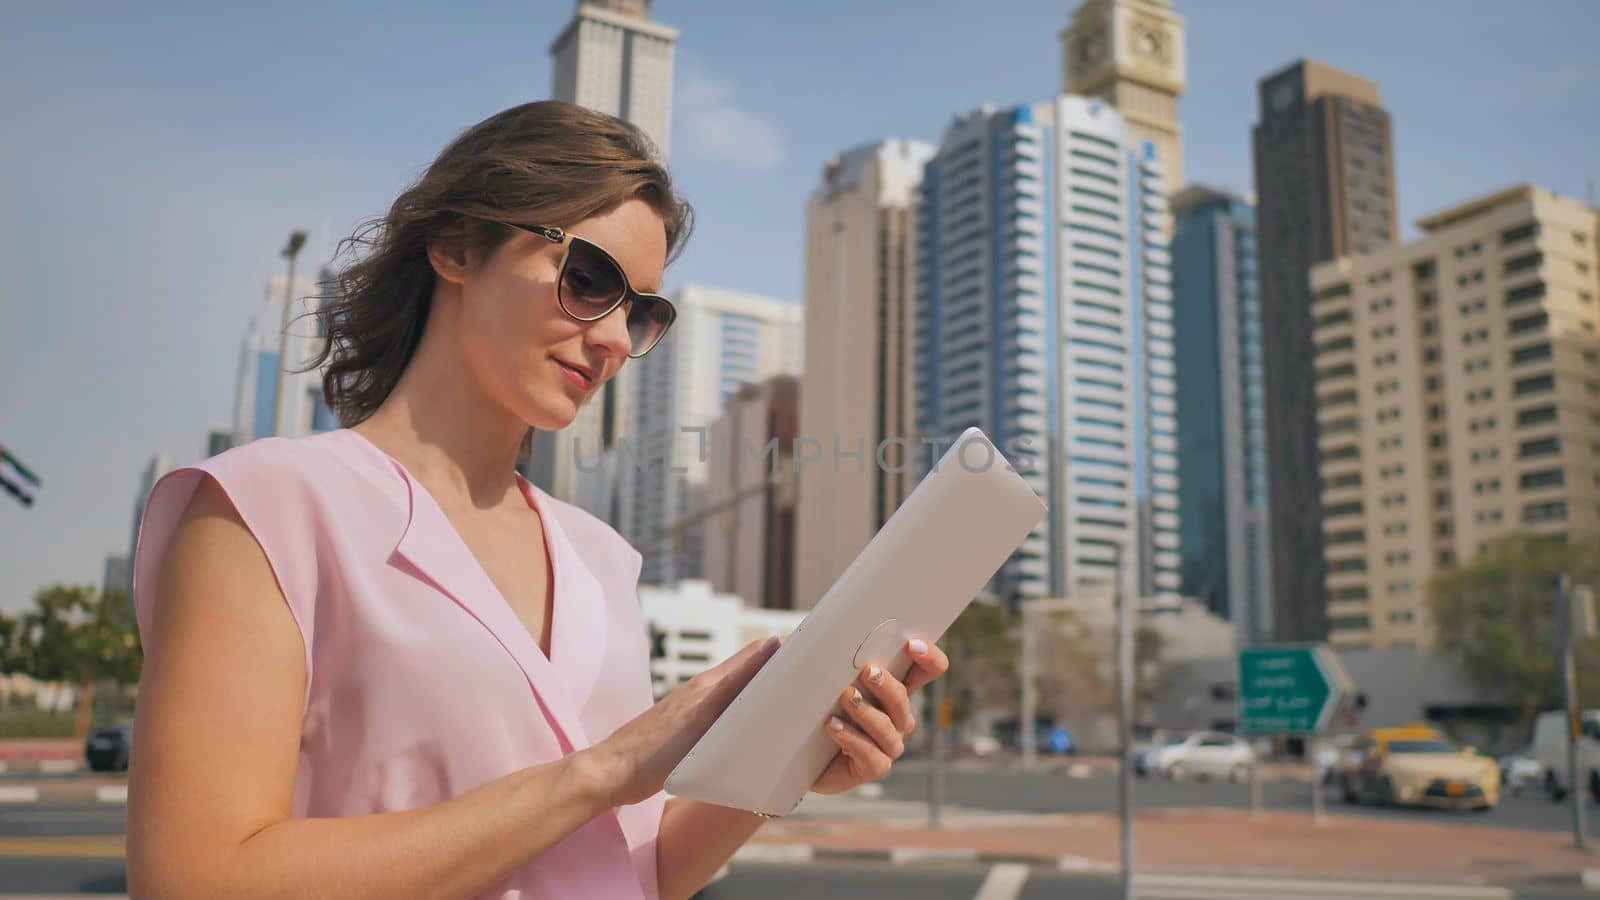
{"points": [[266, 486], [275, 457]]}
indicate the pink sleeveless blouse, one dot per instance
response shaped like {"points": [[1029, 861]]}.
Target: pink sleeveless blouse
{"points": [[422, 682]]}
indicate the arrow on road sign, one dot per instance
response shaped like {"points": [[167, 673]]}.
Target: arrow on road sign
{"points": [[1290, 689]]}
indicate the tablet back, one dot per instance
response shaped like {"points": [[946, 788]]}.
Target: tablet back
{"points": [[914, 577]]}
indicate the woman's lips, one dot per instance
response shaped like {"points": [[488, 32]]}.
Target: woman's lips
{"points": [[579, 378]]}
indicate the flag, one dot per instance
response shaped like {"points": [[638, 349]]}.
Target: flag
{"points": [[16, 478]]}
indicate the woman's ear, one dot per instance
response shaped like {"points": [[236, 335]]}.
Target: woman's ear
{"points": [[453, 254]]}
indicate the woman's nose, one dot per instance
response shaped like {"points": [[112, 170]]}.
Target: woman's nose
{"points": [[610, 334]]}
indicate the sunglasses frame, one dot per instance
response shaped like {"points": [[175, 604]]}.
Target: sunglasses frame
{"points": [[566, 239]]}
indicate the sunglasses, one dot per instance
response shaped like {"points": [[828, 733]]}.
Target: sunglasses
{"points": [[591, 284]]}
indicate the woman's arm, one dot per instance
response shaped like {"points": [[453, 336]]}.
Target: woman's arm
{"points": [[696, 839], [218, 732]]}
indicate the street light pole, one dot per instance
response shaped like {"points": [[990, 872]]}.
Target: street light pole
{"points": [[1569, 683], [297, 239], [1125, 679], [1027, 728], [936, 757]]}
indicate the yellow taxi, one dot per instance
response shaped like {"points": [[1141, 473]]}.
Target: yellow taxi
{"points": [[1417, 766]]}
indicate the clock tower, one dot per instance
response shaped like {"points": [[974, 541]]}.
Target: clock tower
{"points": [[1130, 54]]}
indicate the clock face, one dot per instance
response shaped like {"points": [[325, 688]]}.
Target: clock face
{"points": [[1150, 41], [1090, 50]]}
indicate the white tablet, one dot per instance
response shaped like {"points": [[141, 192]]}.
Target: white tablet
{"points": [[914, 577]]}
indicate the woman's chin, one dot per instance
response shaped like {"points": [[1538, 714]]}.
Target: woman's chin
{"points": [[554, 416]]}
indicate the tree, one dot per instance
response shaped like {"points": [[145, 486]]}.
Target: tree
{"points": [[76, 634], [1499, 614], [9, 658], [983, 648], [1078, 671]]}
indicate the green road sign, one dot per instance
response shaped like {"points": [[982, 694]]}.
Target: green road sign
{"points": [[1290, 689]]}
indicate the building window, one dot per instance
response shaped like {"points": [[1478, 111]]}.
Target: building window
{"points": [[1533, 353], [1523, 263], [1532, 481], [1350, 451], [1525, 293], [1553, 511], [1542, 447], [1519, 233], [1535, 385], [1536, 415], [1526, 324]]}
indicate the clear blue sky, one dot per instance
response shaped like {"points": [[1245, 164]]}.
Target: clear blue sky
{"points": [[152, 162]]}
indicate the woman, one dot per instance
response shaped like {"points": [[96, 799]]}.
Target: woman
{"points": [[382, 664]]}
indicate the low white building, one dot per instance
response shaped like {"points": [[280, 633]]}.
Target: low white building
{"points": [[692, 629]]}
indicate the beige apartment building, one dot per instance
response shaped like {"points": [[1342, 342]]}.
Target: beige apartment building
{"points": [[1458, 402], [856, 387]]}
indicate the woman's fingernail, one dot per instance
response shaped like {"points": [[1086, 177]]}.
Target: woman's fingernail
{"points": [[835, 723], [874, 674], [855, 697], [918, 646], [771, 643]]}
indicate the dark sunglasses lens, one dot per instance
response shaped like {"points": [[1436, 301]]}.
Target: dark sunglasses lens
{"points": [[648, 319], [590, 281]]}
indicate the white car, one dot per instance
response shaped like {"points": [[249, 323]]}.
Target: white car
{"points": [[1206, 754], [1521, 769], [1549, 747]]}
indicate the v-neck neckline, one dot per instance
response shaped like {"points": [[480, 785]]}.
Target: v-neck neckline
{"points": [[530, 495]]}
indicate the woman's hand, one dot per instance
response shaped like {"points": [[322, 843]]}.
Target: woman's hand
{"points": [[633, 763], [879, 718]]}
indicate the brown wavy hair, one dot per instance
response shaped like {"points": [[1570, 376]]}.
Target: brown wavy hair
{"points": [[546, 163]]}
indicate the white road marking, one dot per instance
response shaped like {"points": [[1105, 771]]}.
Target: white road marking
{"points": [[1225, 887], [774, 853], [19, 795], [1004, 882], [902, 855]]}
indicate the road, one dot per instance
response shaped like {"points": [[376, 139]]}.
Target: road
{"points": [[75, 848], [1015, 790], [1005, 881]]}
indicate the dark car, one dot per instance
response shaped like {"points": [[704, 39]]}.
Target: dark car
{"points": [[107, 748]]}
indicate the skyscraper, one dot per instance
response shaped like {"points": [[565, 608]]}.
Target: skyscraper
{"points": [[160, 464], [303, 411], [1130, 53], [1222, 459], [1044, 316], [747, 536], [218, 440], [858, 354], [613, 59], [1324, 177], [721, 341], [1458, 379]]}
